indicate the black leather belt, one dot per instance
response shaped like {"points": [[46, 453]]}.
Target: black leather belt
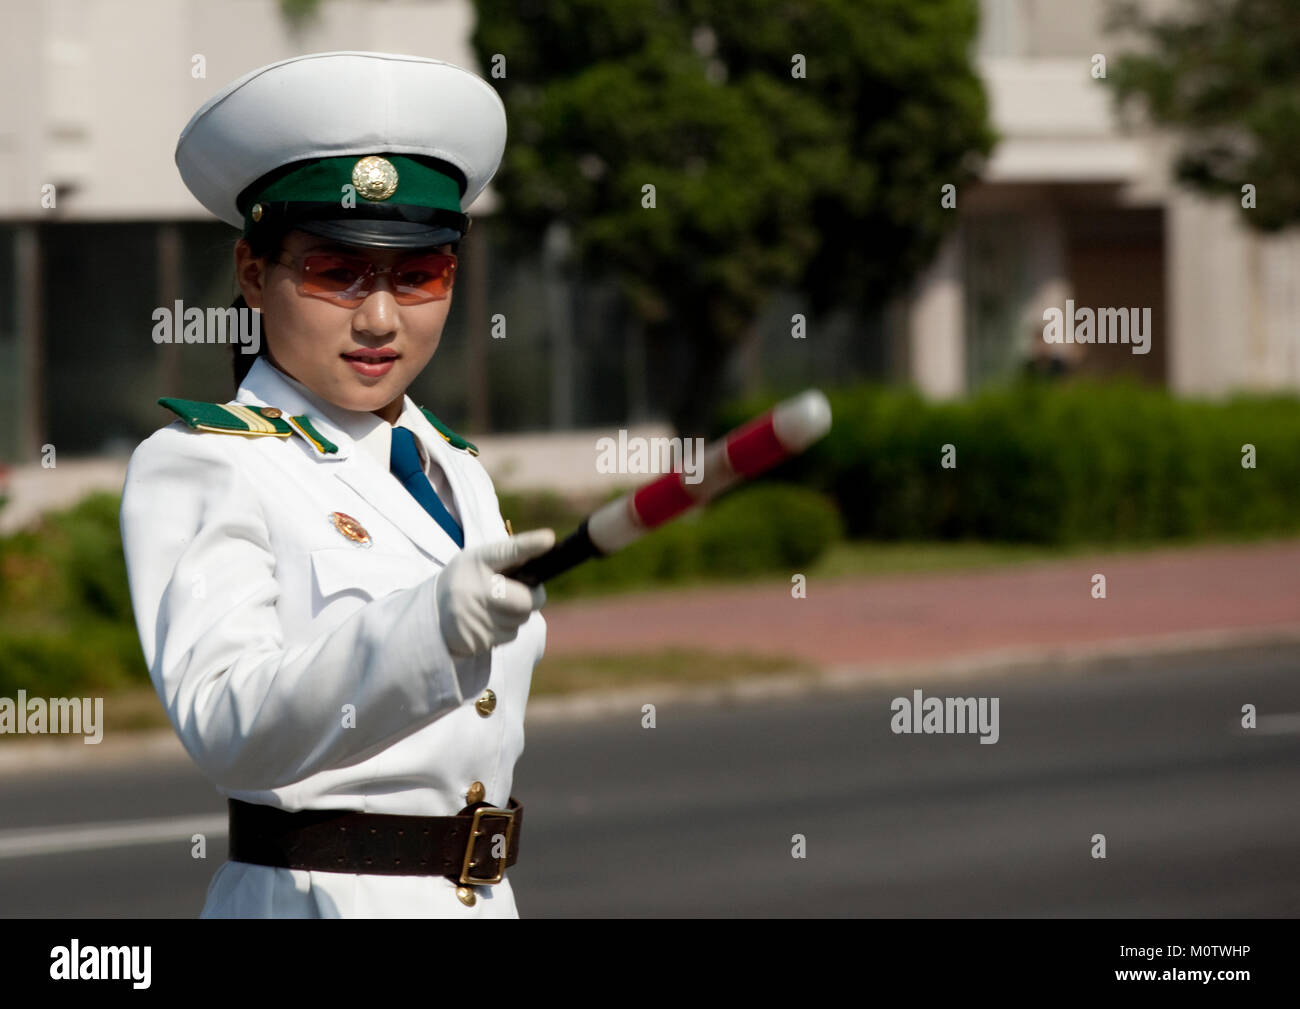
{"points": [[474, 847]]}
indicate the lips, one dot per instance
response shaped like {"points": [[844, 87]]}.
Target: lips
{"points": [[371, 362], [371, 356]]}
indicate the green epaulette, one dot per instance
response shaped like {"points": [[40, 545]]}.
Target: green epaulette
{"points": [[240, 418], [451, 437]]}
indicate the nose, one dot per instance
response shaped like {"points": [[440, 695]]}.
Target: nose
{"points": [[376, 316]]}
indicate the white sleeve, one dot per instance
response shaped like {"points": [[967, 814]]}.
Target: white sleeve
{"points": [[253, 713]]}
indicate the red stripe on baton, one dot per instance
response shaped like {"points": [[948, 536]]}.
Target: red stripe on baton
{"points": [[657, 502], [754, 448]]}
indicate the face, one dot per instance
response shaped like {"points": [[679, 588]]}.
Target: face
{"points": [[324, 345]]}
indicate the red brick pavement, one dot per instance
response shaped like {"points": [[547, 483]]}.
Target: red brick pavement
{"points": [[897, 619]]}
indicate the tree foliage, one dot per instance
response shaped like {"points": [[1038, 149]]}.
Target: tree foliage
{"points": [[829, 182], [1226, 75]]}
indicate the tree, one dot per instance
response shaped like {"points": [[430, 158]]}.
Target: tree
{"points": [[788, 142], [1226, 74]]}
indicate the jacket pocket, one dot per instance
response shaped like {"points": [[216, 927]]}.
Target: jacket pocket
{"points": [[373, 575]]}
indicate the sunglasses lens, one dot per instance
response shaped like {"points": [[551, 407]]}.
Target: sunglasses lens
{"points": [[349, 279], [327, 275], [424, 278]]}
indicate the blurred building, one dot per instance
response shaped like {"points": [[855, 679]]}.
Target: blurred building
{"points": [[1071, 207]]}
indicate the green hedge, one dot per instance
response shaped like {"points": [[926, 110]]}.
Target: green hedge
{"points": [[67, 623], [1053, 463]]}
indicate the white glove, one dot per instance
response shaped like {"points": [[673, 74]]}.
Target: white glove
{"points": [[478, 607]]}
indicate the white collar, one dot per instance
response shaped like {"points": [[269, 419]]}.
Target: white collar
{"points": [[369, 432]]}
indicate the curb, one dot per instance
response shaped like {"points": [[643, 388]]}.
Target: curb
{"points": [[153, 745], [1009, 661]]}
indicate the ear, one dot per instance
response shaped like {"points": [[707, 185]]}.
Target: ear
{"points": [[250, 273]]}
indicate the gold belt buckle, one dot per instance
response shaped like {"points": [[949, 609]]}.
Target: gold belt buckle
{"points": [[476, 831]]}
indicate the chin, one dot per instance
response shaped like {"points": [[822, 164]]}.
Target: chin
{"points": [[373, 397], [365, 393]]}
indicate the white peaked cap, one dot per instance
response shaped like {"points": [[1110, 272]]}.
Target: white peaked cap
{"points": [[336, 104]]}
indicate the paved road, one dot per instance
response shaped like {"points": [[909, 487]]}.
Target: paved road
{"points": [[696, 816]]}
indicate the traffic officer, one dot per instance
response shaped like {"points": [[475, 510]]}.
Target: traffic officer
{"points": [[317, 567]]}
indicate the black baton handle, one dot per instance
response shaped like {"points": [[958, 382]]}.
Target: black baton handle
{"points": [[569, 553]]}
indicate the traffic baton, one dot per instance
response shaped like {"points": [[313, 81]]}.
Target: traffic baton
{"points": [[781, 433]]}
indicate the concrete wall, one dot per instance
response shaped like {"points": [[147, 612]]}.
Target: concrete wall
{"points": [[98, 91]]}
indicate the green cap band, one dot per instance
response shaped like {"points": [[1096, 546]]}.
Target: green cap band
{"points": [[418, 184]]}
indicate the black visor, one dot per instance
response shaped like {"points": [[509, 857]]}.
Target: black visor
{"points": [[376, 226]]}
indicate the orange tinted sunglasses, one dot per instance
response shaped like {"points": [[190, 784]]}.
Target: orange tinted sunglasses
{"points": [[348, 280]]}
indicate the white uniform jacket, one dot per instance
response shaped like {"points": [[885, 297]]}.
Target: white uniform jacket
{"points": [[304, 670]]}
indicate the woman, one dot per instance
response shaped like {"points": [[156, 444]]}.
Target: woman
{"points": [[317, 567]]}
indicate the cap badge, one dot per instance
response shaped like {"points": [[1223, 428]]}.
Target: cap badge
{"points": [[350, 528], [375, 178]]}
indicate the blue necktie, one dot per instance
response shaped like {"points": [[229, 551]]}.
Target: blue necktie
{"points": [[404, 463]]}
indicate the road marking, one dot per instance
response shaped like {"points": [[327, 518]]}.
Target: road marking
{"points": [[94, 836], [1278, 725]]}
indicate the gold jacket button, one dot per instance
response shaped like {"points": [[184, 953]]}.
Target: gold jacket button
{"points": [[475, 793], [466, 895], [486, 704], [270, 412]]}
